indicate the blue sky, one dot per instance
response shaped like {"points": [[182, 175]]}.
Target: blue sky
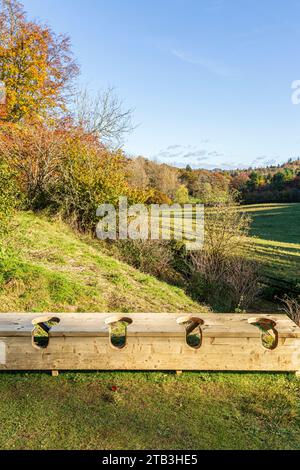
{"points": [[210, 80]]}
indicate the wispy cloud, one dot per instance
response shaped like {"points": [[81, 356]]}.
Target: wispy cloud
{"points": [[213, 66], [265, 160], [207, 158], [180, 155], [173, 147], [198, 154]]}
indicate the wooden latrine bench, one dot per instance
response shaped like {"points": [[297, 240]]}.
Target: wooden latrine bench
{"points": [[137, 341]]}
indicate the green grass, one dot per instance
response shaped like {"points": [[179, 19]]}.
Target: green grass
{"points": [[149, 411], [276, 222], [276, 246], [47, 267]]}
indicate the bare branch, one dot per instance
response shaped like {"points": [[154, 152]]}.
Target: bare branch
{"points": [[291, 306], [103, 115]]}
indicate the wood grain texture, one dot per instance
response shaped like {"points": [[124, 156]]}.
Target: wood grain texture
{"points": [[154, 342]]}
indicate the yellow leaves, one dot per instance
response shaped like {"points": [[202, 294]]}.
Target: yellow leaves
{"points": [[35, 65]]}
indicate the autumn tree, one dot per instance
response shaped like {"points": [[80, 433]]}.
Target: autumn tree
{"points": [[239, 181], [163, 177], [36, 65], [34, 153], [138, 176], [182, 195]]}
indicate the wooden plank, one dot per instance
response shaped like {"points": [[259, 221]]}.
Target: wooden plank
{"points": [[147, 354], [153, 342], [145, 324]]}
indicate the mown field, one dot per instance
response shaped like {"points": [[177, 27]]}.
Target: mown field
{"points": [[276, 242]]}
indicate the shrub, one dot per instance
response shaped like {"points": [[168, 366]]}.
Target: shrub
{"points": [[67, 170], [150, 256], [88, 177], [227, 287], [33, 152], [8, 196], [291, 306], [157, 197], [91, 175], [225, 230], [220, 275]]}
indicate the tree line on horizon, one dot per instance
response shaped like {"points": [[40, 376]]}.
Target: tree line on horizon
{"points": [[279, 183]]}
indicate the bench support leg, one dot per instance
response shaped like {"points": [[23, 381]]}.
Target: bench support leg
{"points": [[54, 373]]}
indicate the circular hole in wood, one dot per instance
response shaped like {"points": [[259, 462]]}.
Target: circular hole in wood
{"points": [[193, 330], [269, 334], [40, 333], [118, 331]]}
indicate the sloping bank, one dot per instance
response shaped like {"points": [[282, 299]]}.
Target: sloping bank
{"points": [[48, 267]]}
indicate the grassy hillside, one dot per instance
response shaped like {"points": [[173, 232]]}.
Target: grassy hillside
{"points": [[276, 246], [47, 267]]}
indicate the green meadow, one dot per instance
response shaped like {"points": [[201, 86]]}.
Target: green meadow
{"points": [[275, 241]]}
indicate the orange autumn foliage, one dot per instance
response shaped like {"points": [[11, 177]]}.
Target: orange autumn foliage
{"points": [[36, 65], [63, 168]]}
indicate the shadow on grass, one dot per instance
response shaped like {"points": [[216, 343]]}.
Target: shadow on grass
{"points": [[280, 224]]}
